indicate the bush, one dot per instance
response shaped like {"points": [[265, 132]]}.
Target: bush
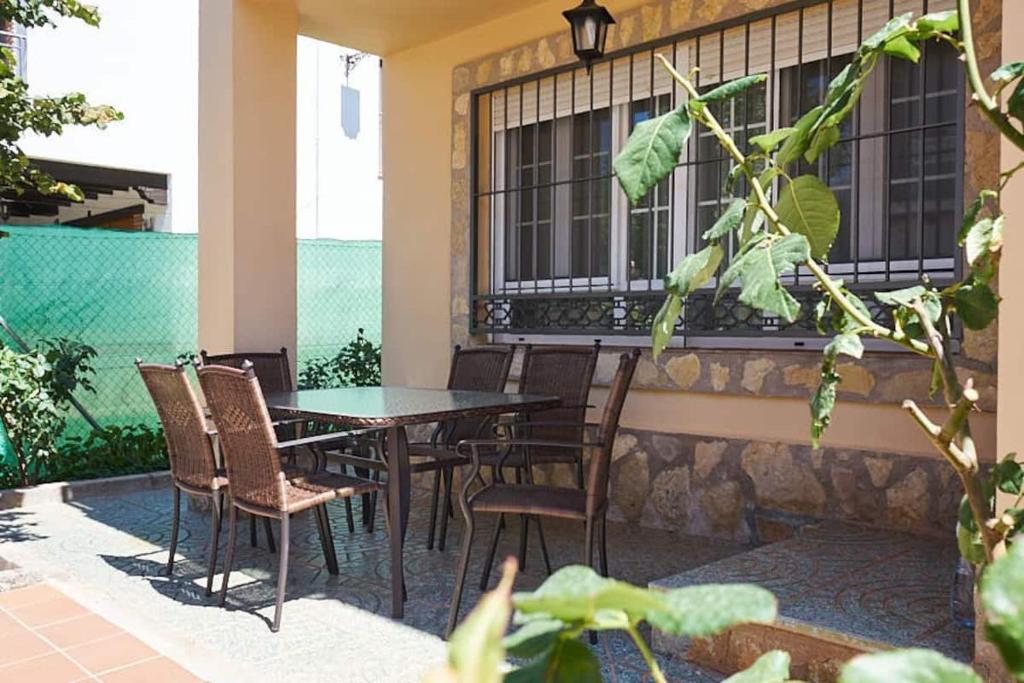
{"points": [[111, 452], [356, 365]]}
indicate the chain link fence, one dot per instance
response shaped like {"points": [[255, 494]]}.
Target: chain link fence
{"points": [[132, 295]]}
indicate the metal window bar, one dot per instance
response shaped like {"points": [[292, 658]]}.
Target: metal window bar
{"points": [[590, 302]]}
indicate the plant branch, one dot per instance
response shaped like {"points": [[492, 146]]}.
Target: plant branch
{"points": [[989, 106], [646, 653], [828, 284]]}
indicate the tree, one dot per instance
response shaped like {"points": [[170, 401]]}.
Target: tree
{"points": [[21, 112]]}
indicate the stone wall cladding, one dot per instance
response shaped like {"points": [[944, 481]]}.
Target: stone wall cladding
{"points": [[743, 490]]}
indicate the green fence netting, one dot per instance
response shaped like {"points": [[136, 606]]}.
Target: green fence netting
{"points": [[134, 295]]}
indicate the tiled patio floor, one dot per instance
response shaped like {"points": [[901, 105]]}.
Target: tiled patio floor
{"points": [[109, 554], [49, 638]]}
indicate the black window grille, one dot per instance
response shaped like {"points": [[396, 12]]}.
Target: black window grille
{"points": [[557, 249]]}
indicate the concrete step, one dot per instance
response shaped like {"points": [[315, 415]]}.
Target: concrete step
{"points": [[842, 590]]}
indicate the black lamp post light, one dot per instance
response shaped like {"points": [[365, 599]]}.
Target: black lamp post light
{"points": [[589, 23]]}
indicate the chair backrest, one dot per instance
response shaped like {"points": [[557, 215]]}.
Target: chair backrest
{"points": [[272, 368], [601, 460], [565, 372], [483, 368], [247, 439], [188, 446]]}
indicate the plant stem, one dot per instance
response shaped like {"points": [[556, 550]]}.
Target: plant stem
{"points": [[828, 284], [989, 106], [646, 653]]}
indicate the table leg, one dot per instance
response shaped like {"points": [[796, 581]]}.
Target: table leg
{"points": [[398, 507]]}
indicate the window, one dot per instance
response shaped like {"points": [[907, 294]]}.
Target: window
{"points": [[559, 249]]}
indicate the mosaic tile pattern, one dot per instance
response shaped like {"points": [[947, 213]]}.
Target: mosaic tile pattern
{"points": [[883, 586], [116, 547]]}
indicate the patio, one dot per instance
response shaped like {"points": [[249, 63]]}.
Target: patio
{"points": [[108, 553]]}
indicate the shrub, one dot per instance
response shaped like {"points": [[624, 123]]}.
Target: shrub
{"points": [[112, 451], [356, 365]]}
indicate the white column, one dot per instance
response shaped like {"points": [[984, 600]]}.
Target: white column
{"points": [[247, 249]]}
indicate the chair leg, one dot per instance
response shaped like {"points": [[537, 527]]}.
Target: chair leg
{"points": [[543, 546], [220, 519], [230, 557], [215, 515], [579, 473], [588, 559], [434, 495], [485, 577], [330, 554], [524, 529], [460, 578], [603, 545], [252, 531], [282, 573], [271, 546], [174, 530], [349, 516], [447, 511]]}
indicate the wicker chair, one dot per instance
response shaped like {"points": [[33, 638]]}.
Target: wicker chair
{"points": [[566, 372], [193, 463], [272, 368], [258, 485], [589, 505]]}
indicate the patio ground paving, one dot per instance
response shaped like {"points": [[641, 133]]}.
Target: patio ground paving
{"points": [[108, 554]]}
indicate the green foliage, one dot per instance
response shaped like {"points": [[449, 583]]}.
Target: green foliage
{"points": [[35, 390], [1002, 596], [731, 89], [907, 666], [356, 365], [652, 152], [760, 266], [771, 667], [21, 112], [475, 649], [112, 451], [806, 206]]}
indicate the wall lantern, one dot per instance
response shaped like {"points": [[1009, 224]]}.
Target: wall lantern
{"points": [[589, 23]]}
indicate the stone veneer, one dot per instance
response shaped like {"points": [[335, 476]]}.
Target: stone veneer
{"points": [[720, 487]]}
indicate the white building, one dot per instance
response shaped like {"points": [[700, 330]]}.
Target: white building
{"points": [[144, 60]]}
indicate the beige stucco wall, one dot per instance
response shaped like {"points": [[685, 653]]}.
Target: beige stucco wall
{"points": [[424, 315]]}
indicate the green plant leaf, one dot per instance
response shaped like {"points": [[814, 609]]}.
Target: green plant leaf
{"points": [[535, 638], [970, 545], [700, 611], [894, 28], [1002, 597], [1009, 475], [576, 593], [939, 22], [665, 323], [1008, 72], [771, 667], [901, 297], [569, 661], [983, 238], [825, 138], [846, 343], [475, 650], [695, 270], [728, 221], [907, 666], [760, 269], [971, 215], [798, 141], [904, 49], [769, 141], [1015, 102], [823, 401], [806, 206], [976, 304], [733, 88], [652, 152]]}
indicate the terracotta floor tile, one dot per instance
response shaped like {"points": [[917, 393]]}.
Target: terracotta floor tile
{"points": [[8, 624], [21, 645], [20, 597], [111, 653], [40, 614], [78, 631], [55, 668], [159, 670]]}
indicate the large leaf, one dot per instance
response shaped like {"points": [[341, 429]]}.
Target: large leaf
{"points": [[577, 593], [893, 29], [728, 221], [771, 667], [665, 323], [700, 611], [799, 140], [760, 269], [1008, 72], [845, 343], [652, 152], [907, 666], [733, 88], [1009, 475], [938, 22], [1002, 596], [976, 304], [569, 661], [475, 650], [696, 269], [534, 639], [983, 238], [971, 215], [769, 141], [808, 207]]}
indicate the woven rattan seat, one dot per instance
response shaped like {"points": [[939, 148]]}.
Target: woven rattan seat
{"points": [[532, 499]]}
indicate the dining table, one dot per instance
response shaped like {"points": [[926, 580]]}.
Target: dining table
{"points": [[392, 409]]}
